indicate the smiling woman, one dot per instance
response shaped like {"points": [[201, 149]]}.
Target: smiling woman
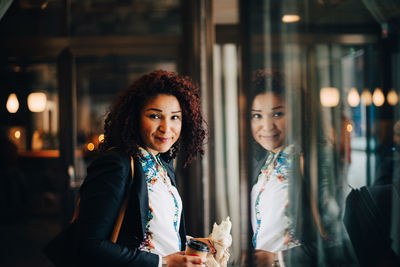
{"points": [[161, 123], [268, 121], [149, 122], [273, 228]]}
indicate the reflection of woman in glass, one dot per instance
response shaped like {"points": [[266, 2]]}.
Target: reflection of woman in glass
{"points": [[152, 120], [287, 225], [272, 225]]}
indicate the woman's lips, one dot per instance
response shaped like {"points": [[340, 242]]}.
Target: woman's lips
{"points": [[163, 139], [270, 137]]}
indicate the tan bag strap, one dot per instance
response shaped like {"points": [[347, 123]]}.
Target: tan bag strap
{"points": [[121, 214]]}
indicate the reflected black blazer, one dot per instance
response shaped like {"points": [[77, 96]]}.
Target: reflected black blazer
{"points": [[102, 193]]}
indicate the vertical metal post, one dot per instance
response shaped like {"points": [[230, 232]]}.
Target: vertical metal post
{"points": [[245, 8], [67, 128], [197, 62]]}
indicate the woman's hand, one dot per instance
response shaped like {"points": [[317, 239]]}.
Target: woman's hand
{"points": [[179, 259]]}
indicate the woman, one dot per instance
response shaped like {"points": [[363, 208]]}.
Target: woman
{"points": [[272, 226], [287, 226], [155, 118]]}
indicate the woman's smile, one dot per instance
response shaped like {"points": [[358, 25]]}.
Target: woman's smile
{"points": [[268, 121], [160, 123]]}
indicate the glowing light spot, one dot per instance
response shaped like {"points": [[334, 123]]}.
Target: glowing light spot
{"points": [[349, 127], [366, 97], [329, 96], [17, 134], [290, 18], [378, 97], [353, 97], [101, 138], [37, 101], [90, 146], [392, 97], [12, 103]]}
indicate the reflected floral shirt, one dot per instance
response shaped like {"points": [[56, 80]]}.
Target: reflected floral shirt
{"points": [[272, 226]]}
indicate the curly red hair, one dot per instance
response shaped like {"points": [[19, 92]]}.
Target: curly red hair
{"points": [[121, 126]]}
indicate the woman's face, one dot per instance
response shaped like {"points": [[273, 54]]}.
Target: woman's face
{"points": [[160, 123], [268, 121]]}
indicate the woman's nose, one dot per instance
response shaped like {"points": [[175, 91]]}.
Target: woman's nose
{"points": [[164, 126], [268, 123]]}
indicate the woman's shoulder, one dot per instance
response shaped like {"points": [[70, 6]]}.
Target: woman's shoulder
{"points": [[111, 167], [112, 159]]}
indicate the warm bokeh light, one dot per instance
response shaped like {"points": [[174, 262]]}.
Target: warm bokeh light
{"points": [[90, 146], [353, 98], [12, 103], [329, 96], [101, 138], [392, 97], [366, 97], [37, 102], [378, 97], [290, 18], [17, 134], [349, 127]]}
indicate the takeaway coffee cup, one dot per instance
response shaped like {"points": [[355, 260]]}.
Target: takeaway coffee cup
{"points": [[197, 248]]}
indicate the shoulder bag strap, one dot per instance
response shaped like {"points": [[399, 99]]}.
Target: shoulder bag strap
{"points": [[121, 214]]}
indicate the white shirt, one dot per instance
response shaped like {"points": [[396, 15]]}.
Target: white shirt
{"points": [[165, 208], [269, 199]]}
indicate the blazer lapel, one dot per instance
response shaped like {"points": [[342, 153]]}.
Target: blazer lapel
{"points": [[257, 165], [141, 191], [170, 170]]}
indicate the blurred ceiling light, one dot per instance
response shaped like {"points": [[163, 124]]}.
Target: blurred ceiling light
{"points": [[378, 97], [12, 103], [37, 102], [329, 96], [366, 97], [353, 98], [392, 97], [290, 18]]}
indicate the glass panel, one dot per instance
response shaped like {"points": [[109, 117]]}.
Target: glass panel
{"points": [[331, 153], [226, 140]]}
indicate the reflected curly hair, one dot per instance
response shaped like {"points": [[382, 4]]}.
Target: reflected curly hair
{"points": [[121, 126], [265, 80]]}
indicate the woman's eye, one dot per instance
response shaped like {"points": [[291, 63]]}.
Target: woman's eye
{"points": [[175, 117], [154, 116], [278, 114], [256, 116]]}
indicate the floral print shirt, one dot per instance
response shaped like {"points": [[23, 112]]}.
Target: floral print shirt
{"points": [[165, 208], [272, 225]]}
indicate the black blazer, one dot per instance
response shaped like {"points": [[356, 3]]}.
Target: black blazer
{"points": [[102, 193]]}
